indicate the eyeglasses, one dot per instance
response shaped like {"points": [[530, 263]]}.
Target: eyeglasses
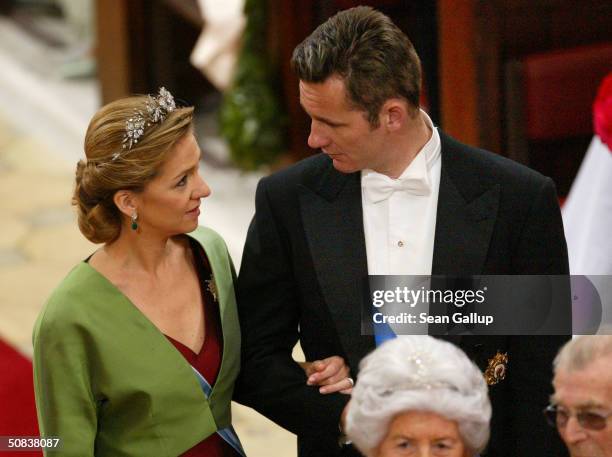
{"points": [[558, 417]]}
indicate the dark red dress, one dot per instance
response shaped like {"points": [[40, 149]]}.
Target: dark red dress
{"points": [[208, 361]]}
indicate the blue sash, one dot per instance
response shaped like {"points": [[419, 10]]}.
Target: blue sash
{"points": [[228, 434], [382, 333]]}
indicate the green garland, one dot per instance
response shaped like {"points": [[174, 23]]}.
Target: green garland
{"points": [[251, 117]]}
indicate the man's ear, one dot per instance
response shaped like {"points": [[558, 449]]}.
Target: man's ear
{"points": [[126, 201], [394, 114]]}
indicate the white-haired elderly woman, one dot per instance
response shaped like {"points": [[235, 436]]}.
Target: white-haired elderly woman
{"points": [[419, 396]]}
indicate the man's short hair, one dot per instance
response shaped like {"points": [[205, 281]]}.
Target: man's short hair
{"points": [[372, 55], [579, 352]]}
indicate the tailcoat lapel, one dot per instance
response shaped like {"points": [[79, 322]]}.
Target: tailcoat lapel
{"points": [[333, 224], [467, 210]]}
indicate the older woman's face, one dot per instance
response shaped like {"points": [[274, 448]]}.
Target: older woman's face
{"points": [[422, 434], [170, 202]]}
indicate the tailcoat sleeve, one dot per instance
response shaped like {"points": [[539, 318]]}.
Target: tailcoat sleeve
{"points": [[542, 250], [269, 308]]}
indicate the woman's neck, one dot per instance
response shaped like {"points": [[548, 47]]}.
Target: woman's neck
{"points": [[147, 253]]}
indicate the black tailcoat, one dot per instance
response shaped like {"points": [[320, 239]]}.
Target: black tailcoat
{"points": [[302, 273]]}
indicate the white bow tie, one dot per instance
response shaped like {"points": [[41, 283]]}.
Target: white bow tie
{"points": [[379, 187]]}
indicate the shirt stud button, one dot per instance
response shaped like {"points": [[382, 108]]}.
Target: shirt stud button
{"points": [[400, 244]]}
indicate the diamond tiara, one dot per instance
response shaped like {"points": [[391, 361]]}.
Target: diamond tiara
{"points": [[157, 108]]}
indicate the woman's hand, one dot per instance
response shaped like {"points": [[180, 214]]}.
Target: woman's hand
{"points": [[331, 374]]}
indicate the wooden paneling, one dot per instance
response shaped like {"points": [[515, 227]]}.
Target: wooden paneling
{"points": [[113, 43], [458, 69], [477, 38], [145, 44], [295, 19]]}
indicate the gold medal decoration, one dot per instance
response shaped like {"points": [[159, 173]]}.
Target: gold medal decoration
{"points": [[496, 371]]}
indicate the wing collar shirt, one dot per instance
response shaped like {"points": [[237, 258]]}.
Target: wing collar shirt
{"points": [[399, 215]]}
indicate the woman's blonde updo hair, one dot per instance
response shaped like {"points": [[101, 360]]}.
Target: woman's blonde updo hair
{"points": [[100, 176]]}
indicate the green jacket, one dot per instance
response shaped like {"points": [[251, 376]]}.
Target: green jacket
{"points": [[109, 383]]}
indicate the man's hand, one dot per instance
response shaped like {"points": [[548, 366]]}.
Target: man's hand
{"points": [[331, 374]]}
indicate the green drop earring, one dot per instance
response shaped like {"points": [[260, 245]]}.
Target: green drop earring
{"points": [[134, 219]]}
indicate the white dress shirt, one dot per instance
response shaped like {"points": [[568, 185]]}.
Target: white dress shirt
{"points": [[399, 225]]}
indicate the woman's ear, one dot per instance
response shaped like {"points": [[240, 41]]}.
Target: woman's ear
{"points": [[126, 201]]}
